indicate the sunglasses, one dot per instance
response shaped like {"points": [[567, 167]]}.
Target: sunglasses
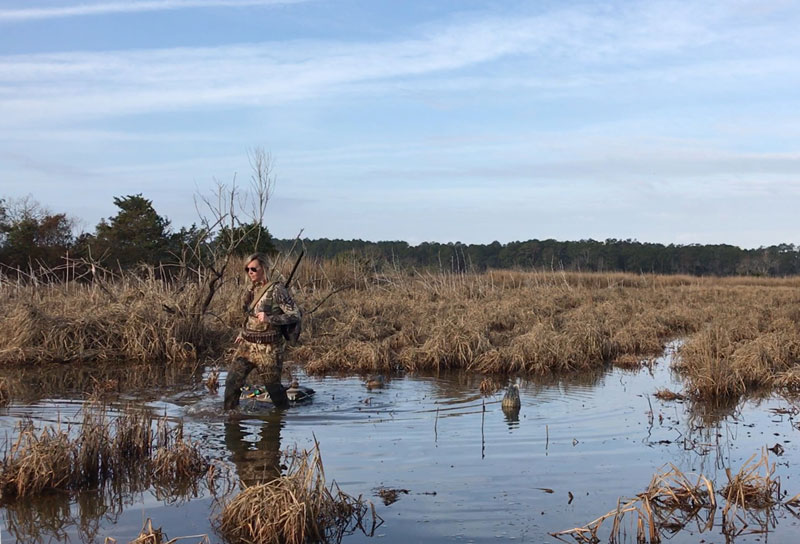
{"points": [[251, 269]]}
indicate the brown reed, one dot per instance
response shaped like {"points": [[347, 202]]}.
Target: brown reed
{"points": [[36, 461], [672, 500], [753, 487], [741, 334], [489, 386], [296, 508], [130, 319], [5, 394], [149, 535], [100, 452]]}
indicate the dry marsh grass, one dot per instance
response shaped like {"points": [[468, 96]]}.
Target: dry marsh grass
{"points": [[5, 393], [669, 503], [754, 489], [130, 319], [751, 342], [740, 334], [673, 500], [134, 447], [150, 535], [296, 508], [499, 322]]}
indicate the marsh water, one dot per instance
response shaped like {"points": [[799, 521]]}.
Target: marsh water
{"points": [[462, 469]]}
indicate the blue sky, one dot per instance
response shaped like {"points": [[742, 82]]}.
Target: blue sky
{"points": [[472, 121]]}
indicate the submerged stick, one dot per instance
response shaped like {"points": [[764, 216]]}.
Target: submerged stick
{"points": [[483, 437], [547, 437]]}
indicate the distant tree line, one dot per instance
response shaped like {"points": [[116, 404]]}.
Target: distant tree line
{"points": [[32, 237], [584, 255]]}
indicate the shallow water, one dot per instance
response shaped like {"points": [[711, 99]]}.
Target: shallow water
{"points": [[472, 474]]}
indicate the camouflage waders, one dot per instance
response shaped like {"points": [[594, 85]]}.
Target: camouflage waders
{"points": [[268, 359]]}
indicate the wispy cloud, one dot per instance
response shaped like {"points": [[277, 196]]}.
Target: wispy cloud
{"points": [[561, 50], [106, 8]]}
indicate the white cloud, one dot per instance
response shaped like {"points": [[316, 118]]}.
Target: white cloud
{"points": [[105, 8], [561, 50]]}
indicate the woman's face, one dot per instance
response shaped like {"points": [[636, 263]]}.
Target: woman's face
{"points": [[255, 271]]}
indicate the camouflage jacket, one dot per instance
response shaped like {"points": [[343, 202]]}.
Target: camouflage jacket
{"points": [[275, 301]]}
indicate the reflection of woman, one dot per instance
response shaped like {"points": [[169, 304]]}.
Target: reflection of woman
{"points": [[268, 306], [256, 462]]}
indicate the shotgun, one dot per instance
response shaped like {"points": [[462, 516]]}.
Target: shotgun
{"points": [[294, 268]]}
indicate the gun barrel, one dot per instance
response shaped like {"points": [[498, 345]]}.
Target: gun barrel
{"points": [[294, 268]]}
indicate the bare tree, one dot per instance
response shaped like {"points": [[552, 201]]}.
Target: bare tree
{"points": [[262, 183], [236, 211]]}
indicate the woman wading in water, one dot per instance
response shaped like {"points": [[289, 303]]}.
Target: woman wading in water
{"points": [[268, 307]]}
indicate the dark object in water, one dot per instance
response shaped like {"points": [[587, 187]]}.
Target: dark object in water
{"points": [[390, 496], [777, 449], [375, 382], [511, 400], [258, 396]]}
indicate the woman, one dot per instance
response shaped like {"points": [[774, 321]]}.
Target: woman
{"points": [[268, 307]]}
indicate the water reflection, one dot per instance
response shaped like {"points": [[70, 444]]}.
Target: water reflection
{"points": [[471, 468], [459, 385], [255, 447], [35, 382], [54, 517], [511, 417]]}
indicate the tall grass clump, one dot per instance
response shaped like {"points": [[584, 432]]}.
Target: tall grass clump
{"points": [[150, 535], [752, 490], [495, 322], [673, 500], [751, 342], [126, 318], [296, 508], [5, 393], [135, 447]]}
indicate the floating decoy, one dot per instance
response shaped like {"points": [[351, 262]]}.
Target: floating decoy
{"points": [[511, 399]]}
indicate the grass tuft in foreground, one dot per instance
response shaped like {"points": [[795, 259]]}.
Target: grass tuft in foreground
{"points": [[134, 447], [296, 508], [149, 535], [672, 501]]}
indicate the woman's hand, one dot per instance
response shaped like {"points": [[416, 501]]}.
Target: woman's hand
{"points": [[262, 316], [238, 339]]}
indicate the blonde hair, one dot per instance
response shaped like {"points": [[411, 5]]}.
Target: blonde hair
{"points": [[261, 258]]}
